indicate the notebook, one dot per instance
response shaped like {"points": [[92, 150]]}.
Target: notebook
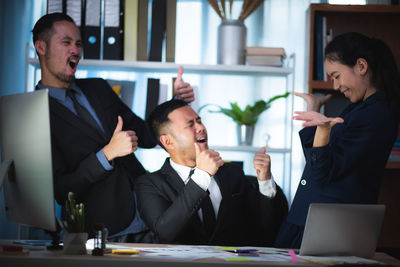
{"points": [[342, 229]]}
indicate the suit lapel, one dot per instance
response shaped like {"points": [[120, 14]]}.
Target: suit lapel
{"points": [[220, 178], [65, 114], [172, 176], [178, 185]]}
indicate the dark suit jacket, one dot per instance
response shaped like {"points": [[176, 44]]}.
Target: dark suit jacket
{"points": [[246, 217], [349, 168], [107, 195]]}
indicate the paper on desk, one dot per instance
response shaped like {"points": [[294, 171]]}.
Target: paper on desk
{"points": [[179, 252], [170, 252], [272, 254], [199, 252], [261, 257], [265, 254], [339, 260]]}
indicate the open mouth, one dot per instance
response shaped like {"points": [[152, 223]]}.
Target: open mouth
{"points": [[73, 62], [201, 140]]}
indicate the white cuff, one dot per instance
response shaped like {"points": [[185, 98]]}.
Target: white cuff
{"points": [[267, 187], [201, 178]]}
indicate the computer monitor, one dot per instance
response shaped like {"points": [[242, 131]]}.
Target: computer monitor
{"points": [[26, 168]]}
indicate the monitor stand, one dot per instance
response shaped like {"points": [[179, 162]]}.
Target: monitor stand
{"points": [[55, 237], [7, 169]]}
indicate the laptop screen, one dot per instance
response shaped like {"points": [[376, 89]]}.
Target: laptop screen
{"points": [[342, 229]]}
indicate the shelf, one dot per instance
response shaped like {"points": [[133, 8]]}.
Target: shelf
{"points": [[249, 149], [393, 165], [321, 85], [355, 8], [166, 67]]}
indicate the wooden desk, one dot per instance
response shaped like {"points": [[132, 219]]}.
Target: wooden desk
{"points": [[46, 258]]}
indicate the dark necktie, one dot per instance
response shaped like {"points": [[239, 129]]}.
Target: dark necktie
{"points": [[209, 218], [83, 113]]}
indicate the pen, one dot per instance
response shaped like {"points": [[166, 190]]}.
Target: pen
{"points": [[244, 250], [125, 251]]}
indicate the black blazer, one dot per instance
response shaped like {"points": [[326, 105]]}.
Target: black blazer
{"points": [[245, 217], [107, 195], [349, 169]]}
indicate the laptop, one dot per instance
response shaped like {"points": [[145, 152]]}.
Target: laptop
{"points": [[342, 230]]}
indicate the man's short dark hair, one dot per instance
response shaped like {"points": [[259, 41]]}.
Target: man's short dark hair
{"points": [[43, 27], [159, 116]]}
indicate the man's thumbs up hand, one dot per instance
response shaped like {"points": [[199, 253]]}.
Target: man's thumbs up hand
{"points": [[183, 90], [122, 142]]}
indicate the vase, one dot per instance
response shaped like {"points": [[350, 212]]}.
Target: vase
{"points": [[245, 134], [75, 243], [231, 42]]}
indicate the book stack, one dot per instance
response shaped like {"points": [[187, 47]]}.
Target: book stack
{"points": [[323, 36], [265, 56], [395, 153]]}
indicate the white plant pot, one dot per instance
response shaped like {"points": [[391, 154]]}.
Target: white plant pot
{"points": [[231, 43], [245, 134], [75, 243]]}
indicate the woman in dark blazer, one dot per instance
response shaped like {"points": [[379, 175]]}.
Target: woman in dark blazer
{"points": [[345, 156]]}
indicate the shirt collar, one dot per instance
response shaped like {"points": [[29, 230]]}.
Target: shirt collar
{"points": [[60, 93], [183, 171]]}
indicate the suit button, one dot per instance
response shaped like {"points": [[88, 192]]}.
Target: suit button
{"points": [[303, 182]]}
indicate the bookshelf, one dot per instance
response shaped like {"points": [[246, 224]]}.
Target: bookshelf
{"points": [[381, 21]]}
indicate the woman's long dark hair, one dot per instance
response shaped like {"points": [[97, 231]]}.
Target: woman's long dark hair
{"points": [[384, 75]]}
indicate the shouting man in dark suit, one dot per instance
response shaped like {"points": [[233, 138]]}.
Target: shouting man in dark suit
{"points": [[175, 201], [93, 133]]}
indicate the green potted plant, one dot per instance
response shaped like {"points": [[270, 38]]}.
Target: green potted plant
{"points": [[246, 118], [75, 237]]}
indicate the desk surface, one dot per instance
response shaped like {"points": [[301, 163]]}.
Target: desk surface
{"points": [[151, 255]]}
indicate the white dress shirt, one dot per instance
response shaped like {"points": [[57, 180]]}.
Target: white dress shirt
{"points": [[207, 182]]}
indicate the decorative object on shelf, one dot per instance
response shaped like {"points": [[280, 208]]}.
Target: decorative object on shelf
{"points": [[245, 134], [232, 32], [267, 137], [246, 119], [74, 238], [231, 42], [265, 56]]}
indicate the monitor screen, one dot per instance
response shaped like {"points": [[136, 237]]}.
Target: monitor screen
{"points": [[25, 140]]}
